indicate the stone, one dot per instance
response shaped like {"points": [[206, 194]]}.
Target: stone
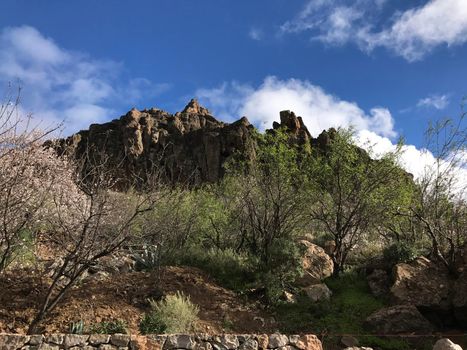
{"points": [[263, 340], [13, 341], [316, 264], [75, 340], [358, 348], [119, 340], [107, 347], [45, 346], [379, 282], [277, 341], [249, 344], [181, 341], [349, 341], [421, 283], [398, 319], [306, 342], [55, 339], [36, 339], [446, 344], [229, 341], [97, 339], [203, 346], [318, 292]]}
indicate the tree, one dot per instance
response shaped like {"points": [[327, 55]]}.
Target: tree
{"points": [[86, 220], [440, 207], [27, 174], [352, 194]]}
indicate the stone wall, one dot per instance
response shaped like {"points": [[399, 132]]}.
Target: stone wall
{"points": [[159, 342]]}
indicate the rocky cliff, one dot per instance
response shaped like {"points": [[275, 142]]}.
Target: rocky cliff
{"points": [[189, 146]]}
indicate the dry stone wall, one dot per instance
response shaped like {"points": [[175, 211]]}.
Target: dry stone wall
{"points": [[160, 342]]}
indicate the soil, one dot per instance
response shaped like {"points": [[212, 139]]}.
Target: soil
{"points": [[124, 296]]}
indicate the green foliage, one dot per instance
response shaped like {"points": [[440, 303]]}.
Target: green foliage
{"points": [[399, 252], [281, 270], [173, 314], [230, 269], [109, 327], [76, 327], [147, 259]]}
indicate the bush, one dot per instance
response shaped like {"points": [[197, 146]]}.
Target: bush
{"points": [[399, 252], [173, 314], [109, 327], [230, 269]]}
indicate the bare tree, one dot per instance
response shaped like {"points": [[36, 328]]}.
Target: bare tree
{"points": [[27, 173], [87, 220], [440, 206]]}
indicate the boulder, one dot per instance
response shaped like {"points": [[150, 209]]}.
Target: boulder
{"points": [[316, 264], [421, 283], [318, 292], [349, 341], [446, 344], [398, 319]]}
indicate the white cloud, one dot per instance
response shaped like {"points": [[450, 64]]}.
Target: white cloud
{"points": [[411, 34], [255, 34], [61, 85], [435, 101], [419, 162], [319, 109]]}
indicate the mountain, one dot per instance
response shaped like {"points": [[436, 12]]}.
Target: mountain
{"points": [[190, 146]]}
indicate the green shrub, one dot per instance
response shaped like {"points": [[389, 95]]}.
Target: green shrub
{"points": [[230, 269], [108, 327], [399, 252], [173, 314], [76, 327]]}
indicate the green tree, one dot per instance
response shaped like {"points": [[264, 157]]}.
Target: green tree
{"points": [[351, 194]]}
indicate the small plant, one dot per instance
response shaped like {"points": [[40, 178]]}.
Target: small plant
{"points": [[148, 259], [399, 252], [173, 314], [76, 327], [109, 327]]}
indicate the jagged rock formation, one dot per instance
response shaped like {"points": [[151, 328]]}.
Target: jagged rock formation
{"points": [[190, 146]]}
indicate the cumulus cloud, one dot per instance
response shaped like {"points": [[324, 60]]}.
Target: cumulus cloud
{"points": [[59, 85], [412, 33], [434, 101], [319, 109]]}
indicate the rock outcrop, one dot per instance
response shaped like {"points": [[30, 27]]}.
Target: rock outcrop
{"points": [[189, 147]]}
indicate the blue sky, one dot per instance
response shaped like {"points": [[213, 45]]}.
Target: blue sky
{"points": [[386, 67]]}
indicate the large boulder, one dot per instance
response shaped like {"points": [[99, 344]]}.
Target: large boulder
{"points": [[318, 292], [398, 319], [422, 283], [316, 264], [446, 344]]}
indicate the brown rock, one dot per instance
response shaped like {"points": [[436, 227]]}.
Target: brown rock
{"points": [[421, 283], [317, 265], [398, 319]]}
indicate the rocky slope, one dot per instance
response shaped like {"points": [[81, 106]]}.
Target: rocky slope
{"points": [[190, 146]]}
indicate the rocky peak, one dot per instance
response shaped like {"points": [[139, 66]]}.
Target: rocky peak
{"points": [[193, 107], [294, 126]]}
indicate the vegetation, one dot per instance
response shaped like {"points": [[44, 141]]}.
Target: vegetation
{"points": [[173, 314], [242, 231]]}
